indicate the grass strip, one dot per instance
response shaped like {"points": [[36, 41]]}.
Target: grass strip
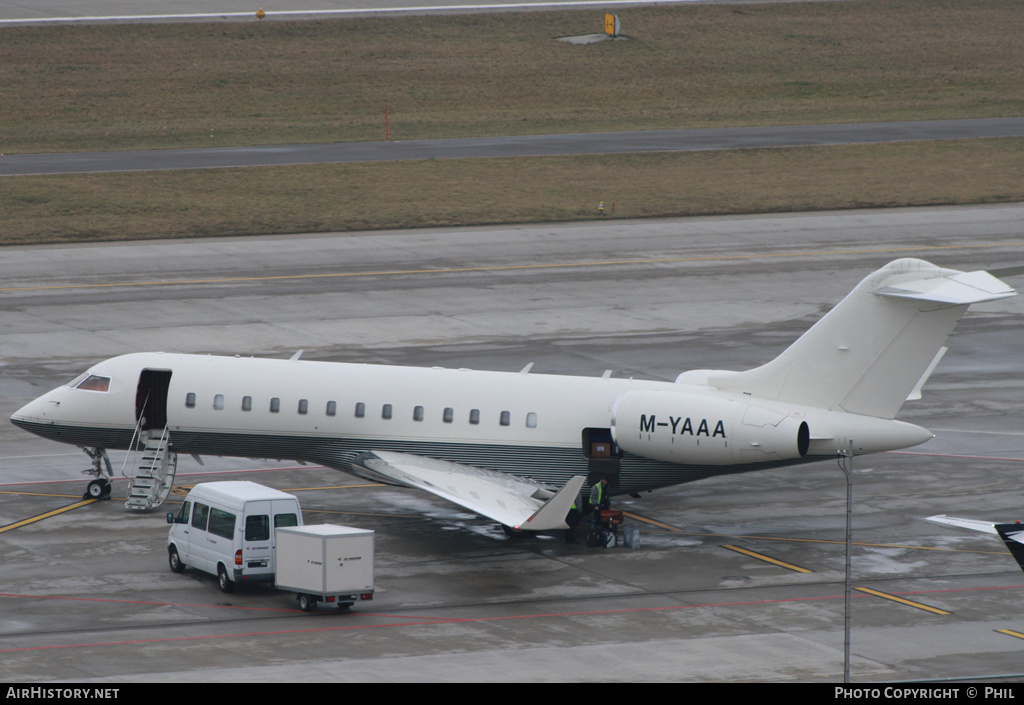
{"points": [[125, 86], [348, 197]]}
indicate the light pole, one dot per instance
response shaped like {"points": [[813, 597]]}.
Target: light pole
{"points": [[845, 458]]}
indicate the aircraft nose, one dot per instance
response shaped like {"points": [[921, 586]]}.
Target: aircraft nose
{"points": [[37, 411]]}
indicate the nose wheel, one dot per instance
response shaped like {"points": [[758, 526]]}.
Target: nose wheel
{"points": [[100, 487], [97, 489]]}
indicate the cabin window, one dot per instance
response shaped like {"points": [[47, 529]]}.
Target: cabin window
{"points": [[360, 410], [222, 523], [275, 405], [199, 514], [95, 383], [332, 408], [449, 414], [246, 403], [218, 401], [417, 413], [257, 527], [303, 406], [190, 400], [531, 419], [474, 416], [506, 418], [385, 412]]}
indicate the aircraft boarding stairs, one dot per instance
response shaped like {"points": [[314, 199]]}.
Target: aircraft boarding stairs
{"points": [[151, 483]]}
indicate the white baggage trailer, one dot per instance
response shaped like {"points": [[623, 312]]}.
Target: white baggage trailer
{"points": [[325, 563]]}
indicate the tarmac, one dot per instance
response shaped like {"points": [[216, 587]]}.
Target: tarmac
{"points": [[736, 578]]}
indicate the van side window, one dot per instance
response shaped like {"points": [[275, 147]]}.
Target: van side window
{"points": [[257, 527], [200, 515], [285, 520], [222, 523]]}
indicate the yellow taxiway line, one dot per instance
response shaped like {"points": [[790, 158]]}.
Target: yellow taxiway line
{"points": [[902, 601], [47, 515]]}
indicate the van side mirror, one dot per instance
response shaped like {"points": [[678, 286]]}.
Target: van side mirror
{"points": [[170, 517]]}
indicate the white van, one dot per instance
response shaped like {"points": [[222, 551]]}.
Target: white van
{"points": [[227, 529]]}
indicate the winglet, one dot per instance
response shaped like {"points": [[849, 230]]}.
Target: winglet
{"points": [[552, 514]]}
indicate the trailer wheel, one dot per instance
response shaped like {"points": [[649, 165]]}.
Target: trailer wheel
{"points": [[306, 602]]}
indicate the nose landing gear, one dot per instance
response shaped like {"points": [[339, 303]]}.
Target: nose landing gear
{"points": [[100, 487]]}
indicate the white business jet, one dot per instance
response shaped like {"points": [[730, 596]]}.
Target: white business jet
{"points": [[517, 447]]}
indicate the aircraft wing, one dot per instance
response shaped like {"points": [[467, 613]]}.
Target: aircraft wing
{"points": [[973, 524], [509, 500], [1011, 534]]}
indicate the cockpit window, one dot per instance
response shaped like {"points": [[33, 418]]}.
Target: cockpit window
{"points": [[77, 380], [92, 383]]}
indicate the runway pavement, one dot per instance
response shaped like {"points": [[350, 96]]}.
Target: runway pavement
{"points": [[690, 140], [16, 12], [87, 595]]}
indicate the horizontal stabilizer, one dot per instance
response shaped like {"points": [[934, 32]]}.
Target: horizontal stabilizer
{"points": [[961, 288], [509, 500]]}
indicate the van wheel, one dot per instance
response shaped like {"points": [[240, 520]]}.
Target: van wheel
{"points": [[175, 560], [306, 603], [223, 581]]}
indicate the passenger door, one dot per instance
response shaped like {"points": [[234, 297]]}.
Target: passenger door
{"points": [[197, 545]]}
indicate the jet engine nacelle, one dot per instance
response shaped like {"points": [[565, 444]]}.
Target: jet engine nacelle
{"points": [[691, 429]]}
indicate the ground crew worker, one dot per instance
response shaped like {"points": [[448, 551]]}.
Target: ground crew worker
{"points": [[600, 209], [599, 495], [599, 500]]}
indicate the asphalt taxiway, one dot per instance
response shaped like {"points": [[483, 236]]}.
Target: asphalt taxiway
{"points": [[736, 579]]}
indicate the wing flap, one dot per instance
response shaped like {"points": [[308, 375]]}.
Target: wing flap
{"points": [[507, 499]]}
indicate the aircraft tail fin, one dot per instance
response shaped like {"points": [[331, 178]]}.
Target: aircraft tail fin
{"points": [[876, 348], [1013, 536]]}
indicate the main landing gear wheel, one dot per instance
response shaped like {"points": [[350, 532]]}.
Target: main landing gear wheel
{"points": [[97, 489]]}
